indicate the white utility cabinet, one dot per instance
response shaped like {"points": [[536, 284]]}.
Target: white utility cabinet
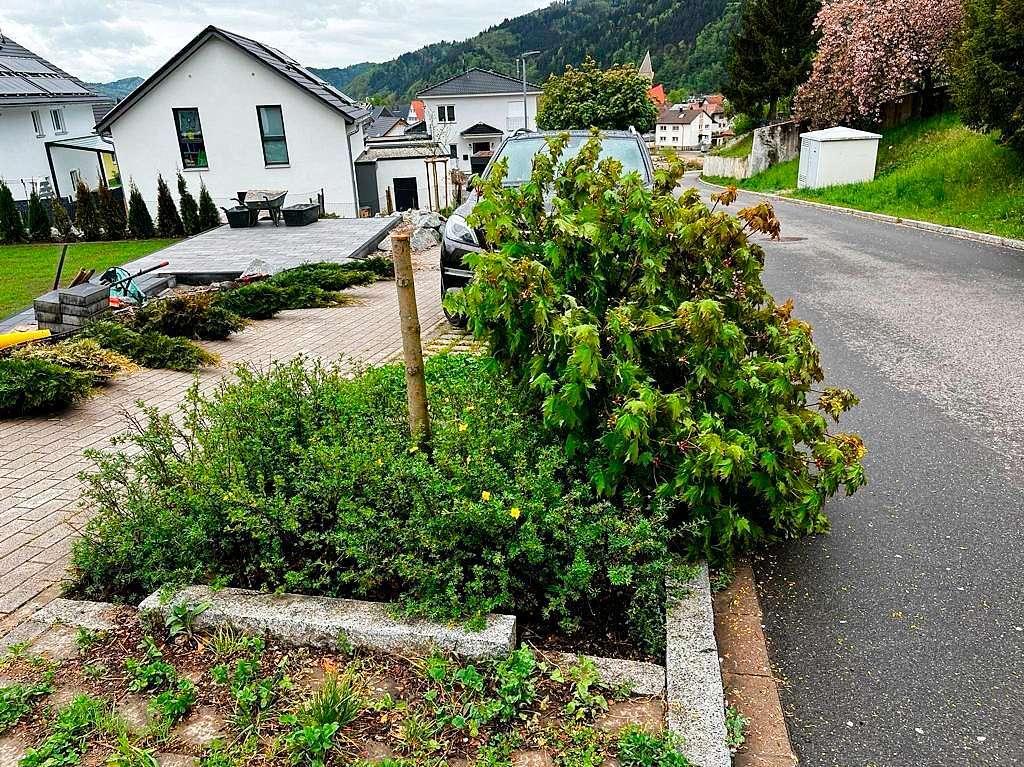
{"points": [[837, 156]]}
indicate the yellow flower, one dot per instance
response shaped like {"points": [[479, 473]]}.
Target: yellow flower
{"points": [[413, 449], [463, 427], [380, 462], [485, 495], [514, 512]]}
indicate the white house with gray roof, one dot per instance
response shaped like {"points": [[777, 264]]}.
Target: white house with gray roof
{"points": [[472, 112], [236, 114], [47, 142]]}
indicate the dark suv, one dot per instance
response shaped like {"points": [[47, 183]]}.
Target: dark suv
{"points": [[459, 238]]}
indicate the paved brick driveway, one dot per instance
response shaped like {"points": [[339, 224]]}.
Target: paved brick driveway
{"points": [[40, 457]]}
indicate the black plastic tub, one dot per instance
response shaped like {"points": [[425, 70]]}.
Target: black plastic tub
{"points": [[300, 215], [240, 217]]}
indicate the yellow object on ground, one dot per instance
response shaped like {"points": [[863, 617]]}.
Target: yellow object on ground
{"points": [[21, 336]]}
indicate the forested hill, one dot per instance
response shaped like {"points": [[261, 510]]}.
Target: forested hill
{"points": [[612, 31]]}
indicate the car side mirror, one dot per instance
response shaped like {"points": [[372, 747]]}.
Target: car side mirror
{"points": [[470, 183]]}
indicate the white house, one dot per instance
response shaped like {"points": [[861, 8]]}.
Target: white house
{"points": [[47, 142], [684, 129], [236, 114], [472, 112], [406, 175]]}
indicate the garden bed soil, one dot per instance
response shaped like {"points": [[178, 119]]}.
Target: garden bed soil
{"points": [[395, 719]]}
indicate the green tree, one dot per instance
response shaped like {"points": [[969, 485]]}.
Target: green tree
{"points": [[140, 223], [61, 220], [168, 222], [988, 69], [209, 215], [590, 97], [638, 320], [12, 227], [38, 220], [771, 54], [189, 208], [87, 213], [111, 213]]}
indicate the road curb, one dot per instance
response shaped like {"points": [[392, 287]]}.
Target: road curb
{"points": [[748, 678], [927, 226], [693, 679]]}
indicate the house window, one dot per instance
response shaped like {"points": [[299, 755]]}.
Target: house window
{"points": [[37, 123], [76, 179], [453, 151], [446, 113], [190, 138], [275, 147], [675, 127], [481, 146], [57, 117]]}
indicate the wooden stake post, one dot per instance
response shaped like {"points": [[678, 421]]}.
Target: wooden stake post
{"points": [[412, 350]]}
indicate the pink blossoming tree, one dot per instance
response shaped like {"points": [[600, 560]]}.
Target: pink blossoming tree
{"points": [[871, 52]]}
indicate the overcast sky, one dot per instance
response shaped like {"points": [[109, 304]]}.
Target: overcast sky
{"points": [[102, 40]]}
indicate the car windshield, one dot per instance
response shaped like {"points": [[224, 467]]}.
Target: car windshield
{"points": [[520, 152]]}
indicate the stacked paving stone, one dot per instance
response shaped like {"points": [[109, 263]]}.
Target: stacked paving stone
{"points": [[67, 309]]}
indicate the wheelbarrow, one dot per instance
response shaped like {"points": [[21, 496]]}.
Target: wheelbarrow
{"points": [[123, 290]]}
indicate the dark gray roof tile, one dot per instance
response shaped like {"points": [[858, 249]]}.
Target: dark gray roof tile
{"points": [[477, 82]]}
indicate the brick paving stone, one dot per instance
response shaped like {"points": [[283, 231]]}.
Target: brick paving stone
{"points": [[648, 715], [203, 727], [39, 488]]}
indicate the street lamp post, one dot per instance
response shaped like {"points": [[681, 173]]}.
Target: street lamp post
{"points": [[526, 114]]}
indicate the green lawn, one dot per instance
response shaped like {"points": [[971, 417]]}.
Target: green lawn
{"points": [[740, 149], [932, 170], [26, 271]]}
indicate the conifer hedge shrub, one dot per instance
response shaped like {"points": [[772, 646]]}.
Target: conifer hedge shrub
{"points": [[37, 220], [149, 349], [304, 479], [12, 226], [637, 319], [190, 315], [140, 222], [258, 301], [83, 354], [34, 386]]}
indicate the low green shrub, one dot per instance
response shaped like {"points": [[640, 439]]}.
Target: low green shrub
{"points": [[190, 315], [303, 479], [84, 354], [257, 301], [149, 349], [33, 386], [303, 296], [327, 275]]}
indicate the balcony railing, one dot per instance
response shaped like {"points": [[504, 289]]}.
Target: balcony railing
{"points": [[514, 123]]}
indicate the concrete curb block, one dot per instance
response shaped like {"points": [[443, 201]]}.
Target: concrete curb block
{"points": [[696, 701], [329, 623], [927, 226], [641, 677]]}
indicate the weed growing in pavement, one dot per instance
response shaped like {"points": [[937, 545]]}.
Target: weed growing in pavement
{"points": [[150, 673], [182, 618], [128, 754], [70, 731], [94, 671], [586, 699], [172, 705], [16, 700], [735, 727], [227, 642], [86, 639], [639, 748]]}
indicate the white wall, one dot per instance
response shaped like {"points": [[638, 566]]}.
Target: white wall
{"points": [[470, 110], [842, 162], [23, 153], [388, 170], [226, 85]]}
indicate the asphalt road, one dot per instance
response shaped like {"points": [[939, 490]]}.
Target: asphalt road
{"points": [[900, 635]]}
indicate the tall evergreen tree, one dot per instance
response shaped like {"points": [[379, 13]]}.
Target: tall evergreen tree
{"points": [[61, 220], [771, 54], [38, 220], [209, 216], [87, 214], [12, 227], [112, 214], [140, 223], [189, 208], [168, 222]]}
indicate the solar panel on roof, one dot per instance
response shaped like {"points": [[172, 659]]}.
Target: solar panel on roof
{"points": [[25, 64], [16, 86], [60, 86]]}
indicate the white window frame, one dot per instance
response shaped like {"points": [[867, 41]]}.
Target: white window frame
{"points": [[76, 178], [60, 127], [37, 123], [446, 113]]}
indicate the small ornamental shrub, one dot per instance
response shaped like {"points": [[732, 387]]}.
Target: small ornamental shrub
{"points": [[38, 220], [87, 213], [325, 275], [140, 223], [189, 208], [209, 215], [304, 296], [258, 301], [191, 315], [304, 479], [83, 354], [12, 227], [638, 321], [150, 350], [61, 220], [112, 214], [168, 222], [30, 387]]}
